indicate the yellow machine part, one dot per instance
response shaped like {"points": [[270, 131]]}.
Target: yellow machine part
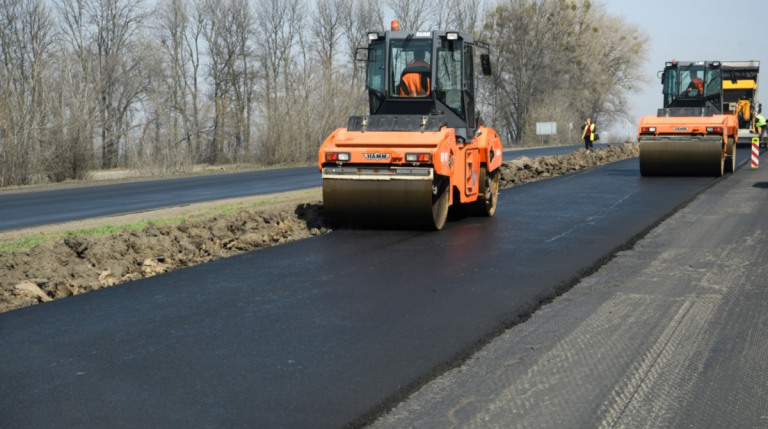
{"points": [[409, 204], [681, 158], [740, 84], [745, 108]]}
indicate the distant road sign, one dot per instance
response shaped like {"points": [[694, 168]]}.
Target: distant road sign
{"points": [[546, 128]]}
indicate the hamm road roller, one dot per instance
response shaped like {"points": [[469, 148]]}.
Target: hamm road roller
{"points": [[421, 148], [691, 135]]}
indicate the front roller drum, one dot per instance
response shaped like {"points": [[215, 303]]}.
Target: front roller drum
{"points": [[681, 158], [408, 204]]}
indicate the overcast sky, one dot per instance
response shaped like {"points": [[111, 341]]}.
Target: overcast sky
{"points": [[688, 30]]}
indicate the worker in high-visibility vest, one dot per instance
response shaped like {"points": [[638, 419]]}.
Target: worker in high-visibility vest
{"points": [[760, 127], [695, 88], [588, 134], [415, 80]]}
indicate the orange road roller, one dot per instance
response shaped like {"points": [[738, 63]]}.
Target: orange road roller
{"points": [[696, 131], [422, 148]]}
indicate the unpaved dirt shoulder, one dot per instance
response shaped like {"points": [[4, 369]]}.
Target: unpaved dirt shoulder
{"points": [[523, 170], [80, 264], [194, 210]]}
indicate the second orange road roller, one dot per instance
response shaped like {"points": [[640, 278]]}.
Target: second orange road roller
{"points": [[696, 131], [421, 148]]}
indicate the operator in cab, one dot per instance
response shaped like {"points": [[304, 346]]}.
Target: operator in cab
{"points": [[696, 87], [415, 80]]}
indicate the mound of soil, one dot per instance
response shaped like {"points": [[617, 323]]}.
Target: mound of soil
{"points": [[524, 169], [81, 264]]}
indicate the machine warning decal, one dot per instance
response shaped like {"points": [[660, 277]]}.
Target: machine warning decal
{"points": [[376, 156], [681, 128]]}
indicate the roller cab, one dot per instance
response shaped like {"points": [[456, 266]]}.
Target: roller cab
{"points": [[422, 148], [690, 135]]}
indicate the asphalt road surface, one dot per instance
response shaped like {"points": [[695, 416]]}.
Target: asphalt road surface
{"points": [[671, 334], [36, 208], [326, 331]]}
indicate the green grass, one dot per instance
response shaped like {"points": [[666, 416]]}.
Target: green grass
{"points": [[23, 244], [46, 239], [114, 229]]}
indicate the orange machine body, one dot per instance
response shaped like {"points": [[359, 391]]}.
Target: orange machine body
{"points": [[723, 126], [461, 163], [695, 132]]}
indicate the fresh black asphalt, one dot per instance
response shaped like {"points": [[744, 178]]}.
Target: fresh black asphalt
{"points": [[36, 208], [322, 332]]}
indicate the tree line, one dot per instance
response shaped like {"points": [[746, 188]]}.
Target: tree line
{"points": [[165, 85]]}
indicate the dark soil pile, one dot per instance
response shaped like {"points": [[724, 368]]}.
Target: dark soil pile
{"points": [[82, 264], [524, 169]]}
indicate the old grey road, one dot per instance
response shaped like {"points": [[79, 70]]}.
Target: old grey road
{"points": [[670, 334]]}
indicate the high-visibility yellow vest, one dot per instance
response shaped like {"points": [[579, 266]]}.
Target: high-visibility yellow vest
{"points": [[591, 132]]}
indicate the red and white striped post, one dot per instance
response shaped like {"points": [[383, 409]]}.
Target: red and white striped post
{"points": [[755, 152]]}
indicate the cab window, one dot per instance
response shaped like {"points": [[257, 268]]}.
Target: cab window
{"points": [[449, 86], [410, 67], [376, 76]]}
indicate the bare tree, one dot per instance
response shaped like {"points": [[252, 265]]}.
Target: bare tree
{"points": [[326, 32], [228, 31], [547, 48], [462, 15], [606, 65], [107, 34], [26, 37], [521, 32], [279, 24], [363, 16], [268, 80], [413, 15]]}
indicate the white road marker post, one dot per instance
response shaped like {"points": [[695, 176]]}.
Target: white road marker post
{"points": [[755, 152]]}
